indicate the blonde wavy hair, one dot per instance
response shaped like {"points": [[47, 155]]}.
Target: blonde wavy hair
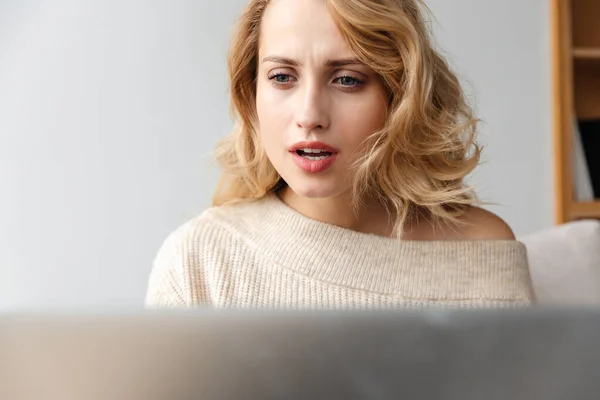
{"points": [[415, 164]]}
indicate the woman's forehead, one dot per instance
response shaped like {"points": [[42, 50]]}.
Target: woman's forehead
{"points": [[299, 29]]}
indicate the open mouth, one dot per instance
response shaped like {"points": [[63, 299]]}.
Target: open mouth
{"points": [[313, 154]]}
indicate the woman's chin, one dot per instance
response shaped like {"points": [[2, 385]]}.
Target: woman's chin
{"points": [[315, 191]]}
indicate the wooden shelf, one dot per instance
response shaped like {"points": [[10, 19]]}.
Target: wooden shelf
{"points": [[576, 95], [586, 210], [587, 53], [587, 56]]}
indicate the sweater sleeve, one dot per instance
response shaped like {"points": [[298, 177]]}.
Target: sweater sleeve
{"points": [[167, 286]]}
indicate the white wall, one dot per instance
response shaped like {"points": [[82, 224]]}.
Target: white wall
{"points": [[501, 49], [108, 111]]}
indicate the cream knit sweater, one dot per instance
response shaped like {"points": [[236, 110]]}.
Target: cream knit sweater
{"points": [[265, 254]]}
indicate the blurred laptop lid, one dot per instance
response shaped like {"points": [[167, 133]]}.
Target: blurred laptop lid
{"points": [[203, 354]]}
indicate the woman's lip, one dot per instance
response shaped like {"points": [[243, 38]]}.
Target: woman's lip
{"points": [[316, 145], [314, 166]]}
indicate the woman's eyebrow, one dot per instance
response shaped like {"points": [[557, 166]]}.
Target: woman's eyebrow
{"points": [[330, 63], [281, 60]]}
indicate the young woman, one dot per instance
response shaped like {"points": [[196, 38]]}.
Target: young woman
{"points": [[342, 182]]}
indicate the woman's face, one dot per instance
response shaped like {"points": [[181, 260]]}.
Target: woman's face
{"points": [[316, 102]]}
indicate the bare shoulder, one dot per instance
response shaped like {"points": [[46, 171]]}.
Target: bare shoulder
{"points": [[481, 224], [475, 224]]}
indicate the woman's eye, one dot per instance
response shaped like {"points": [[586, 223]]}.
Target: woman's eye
{"points": [[280, 78], [348, 81]]}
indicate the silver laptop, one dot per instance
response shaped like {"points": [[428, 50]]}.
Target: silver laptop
{"points": [[203, 354]]}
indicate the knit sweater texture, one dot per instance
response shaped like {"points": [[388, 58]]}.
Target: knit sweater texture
{"points": [[264, 254]]}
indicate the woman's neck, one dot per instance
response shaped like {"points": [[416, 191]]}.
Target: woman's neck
{"points": [[372, 217]]}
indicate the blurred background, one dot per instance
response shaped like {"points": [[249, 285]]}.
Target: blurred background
{"points": [[109, 111]]}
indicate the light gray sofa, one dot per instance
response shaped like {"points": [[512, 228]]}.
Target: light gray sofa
{"points": [[565, 263]]}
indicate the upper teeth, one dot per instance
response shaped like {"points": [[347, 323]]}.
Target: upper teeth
{"points": [[313, 151]]}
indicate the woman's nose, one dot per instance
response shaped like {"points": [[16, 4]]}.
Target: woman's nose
{"points": [[313, 113]]}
